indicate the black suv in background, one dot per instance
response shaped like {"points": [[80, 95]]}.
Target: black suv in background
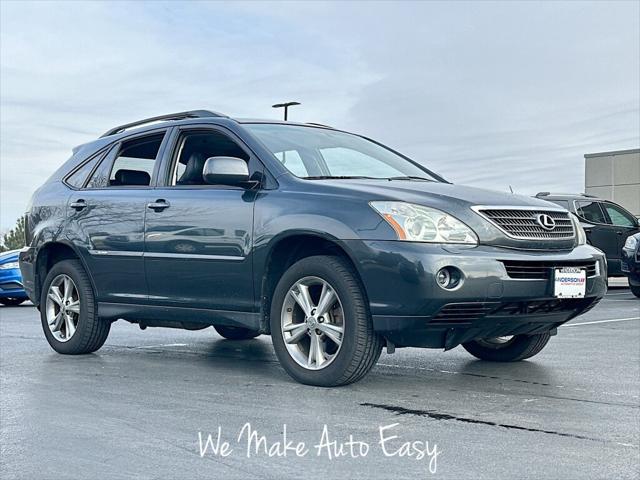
{"points": [[606, 224], [332, 243]]}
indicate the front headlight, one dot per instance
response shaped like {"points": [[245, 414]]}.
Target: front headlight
{"points": [[9, 266], [631, 243], [416, 223], [580, 233]]}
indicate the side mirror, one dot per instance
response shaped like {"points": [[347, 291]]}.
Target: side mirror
{"points": [[225, 171]]}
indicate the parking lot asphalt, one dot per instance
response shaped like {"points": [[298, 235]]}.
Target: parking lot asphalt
{"points": [[135, 408]]}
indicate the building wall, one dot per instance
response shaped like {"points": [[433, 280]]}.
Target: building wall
{"points": [[615, 176]]}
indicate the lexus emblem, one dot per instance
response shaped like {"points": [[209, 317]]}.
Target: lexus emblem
{"points": [[545, 221]]}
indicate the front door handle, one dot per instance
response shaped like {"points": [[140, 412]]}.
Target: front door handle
{"points": [[78, 205], [158, 205]]}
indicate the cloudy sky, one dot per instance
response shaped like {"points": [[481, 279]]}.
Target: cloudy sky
{"points": [[486, 93]]}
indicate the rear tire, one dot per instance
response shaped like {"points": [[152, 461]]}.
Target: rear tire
{"points": [[12, 302], [356, 347], [520, 347], [90, 332], [235, 333], [635, 289]]}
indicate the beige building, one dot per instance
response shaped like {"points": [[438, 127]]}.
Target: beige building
{"points": [[614, 176]]}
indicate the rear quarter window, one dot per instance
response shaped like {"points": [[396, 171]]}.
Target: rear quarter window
{"points": [[79, 176]]}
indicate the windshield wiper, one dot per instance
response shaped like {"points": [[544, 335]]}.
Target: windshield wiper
{"points": [[410, 177], [339, 177]]}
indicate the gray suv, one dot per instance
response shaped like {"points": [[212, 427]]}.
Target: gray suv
{"points": [[330, 242]]}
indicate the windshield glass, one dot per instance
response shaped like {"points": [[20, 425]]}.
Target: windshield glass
{"points": [[313, 153]]}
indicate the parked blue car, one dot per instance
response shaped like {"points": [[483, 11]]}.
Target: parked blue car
{"points": [[11, 289]]}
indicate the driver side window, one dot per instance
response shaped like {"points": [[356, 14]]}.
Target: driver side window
{"points": [[618, 216], [194, 148]]}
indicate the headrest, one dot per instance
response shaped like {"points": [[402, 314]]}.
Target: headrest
{"points": [[132, 177]]}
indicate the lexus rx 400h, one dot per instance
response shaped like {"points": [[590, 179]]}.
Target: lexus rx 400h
{"points": [[330, 242]]}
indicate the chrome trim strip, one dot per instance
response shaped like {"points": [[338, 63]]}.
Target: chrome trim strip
{"points": [[195, 256], [475, 208], [116, 253], [478, 209]]}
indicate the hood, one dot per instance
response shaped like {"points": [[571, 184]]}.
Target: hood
{"points": [[442, 193], [456, 200]]}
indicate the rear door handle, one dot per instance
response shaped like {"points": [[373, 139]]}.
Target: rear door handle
{"points": [[158, 205], [78, 205]]}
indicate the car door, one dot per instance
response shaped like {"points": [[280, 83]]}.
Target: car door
{"points": [[106, 218], [198, 237], [600, 233], [623, 222]]}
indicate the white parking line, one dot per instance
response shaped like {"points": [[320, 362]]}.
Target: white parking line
{"points": [[601, 321]]}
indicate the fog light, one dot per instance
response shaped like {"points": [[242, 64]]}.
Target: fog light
{"points": [[449, 278], [443, 277]]}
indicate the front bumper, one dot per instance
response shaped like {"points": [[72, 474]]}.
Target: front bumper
{"points": [[631, 265], [11, 284], [410, 309]]}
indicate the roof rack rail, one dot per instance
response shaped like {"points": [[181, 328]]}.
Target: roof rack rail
{"points": [[319, 124], [170, 116], [546, 194]]}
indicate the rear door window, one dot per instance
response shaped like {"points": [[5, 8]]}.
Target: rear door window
{"points": [[136, 161], [591, 212]]}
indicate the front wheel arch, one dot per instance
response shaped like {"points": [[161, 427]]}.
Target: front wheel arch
{"points": [[288, 249]]}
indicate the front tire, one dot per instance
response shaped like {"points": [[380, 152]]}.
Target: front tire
{"points": [[235, 333], [635, 289], [320, 323], [12, 302], [69, 311], [507, 349]]}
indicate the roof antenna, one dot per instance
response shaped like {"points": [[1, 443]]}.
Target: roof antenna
{"points": [[510, 188]]}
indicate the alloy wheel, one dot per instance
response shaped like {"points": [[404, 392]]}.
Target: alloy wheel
{"points": [[63, 308], [312, 323]]}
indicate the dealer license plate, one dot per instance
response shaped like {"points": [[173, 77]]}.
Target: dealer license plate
{"points": [[569, 282]]}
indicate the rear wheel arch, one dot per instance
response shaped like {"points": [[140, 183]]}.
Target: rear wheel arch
{"points": [[52, 253], [289, 249]]}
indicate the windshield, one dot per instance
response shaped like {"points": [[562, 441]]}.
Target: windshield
{"points": [[316, 153]]}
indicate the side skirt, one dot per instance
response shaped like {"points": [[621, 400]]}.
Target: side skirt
{"points": [[176, 317]]}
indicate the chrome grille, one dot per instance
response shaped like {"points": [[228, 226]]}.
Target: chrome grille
{"points": [[521, 223]]}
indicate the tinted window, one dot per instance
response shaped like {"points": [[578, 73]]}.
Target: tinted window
{"points": [[619, 216], [100, 176], [193, 150], [79, 177], [591, 211], [135, 161]]}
